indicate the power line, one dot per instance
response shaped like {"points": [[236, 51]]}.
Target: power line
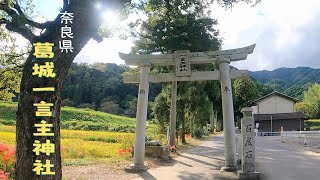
{"points": [[299, 92], [305, 88], [283, 88], [311, 75]]}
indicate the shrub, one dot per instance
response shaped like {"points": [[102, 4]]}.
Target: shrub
{"points": [[199, 132], [7, 161], [110, 107], [8, 123], [313, 124], [67, 102], [106, 139]]}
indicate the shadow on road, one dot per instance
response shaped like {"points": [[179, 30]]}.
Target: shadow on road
{"points": [[147, 176]]}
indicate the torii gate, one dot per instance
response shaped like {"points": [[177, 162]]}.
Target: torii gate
{"points": [[182, 61]]}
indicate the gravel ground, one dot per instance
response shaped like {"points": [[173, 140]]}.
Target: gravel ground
{"points": [[108, 171]]}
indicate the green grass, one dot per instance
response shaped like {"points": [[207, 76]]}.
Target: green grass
{"points": [[80, 119], [315, 128], [313, 124]]}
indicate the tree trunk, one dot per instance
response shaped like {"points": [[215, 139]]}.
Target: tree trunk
{"points": [[85, 26], [183, 128]]}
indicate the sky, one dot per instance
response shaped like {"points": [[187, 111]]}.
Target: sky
{"points": [[286, 34]]}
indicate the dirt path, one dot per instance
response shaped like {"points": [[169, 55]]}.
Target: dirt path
{"points": [[96, 172], [201, 162]]}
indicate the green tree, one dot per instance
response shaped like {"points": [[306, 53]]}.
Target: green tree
{"points": [[302, 107], [245, 92], [311, 102], [9, 84], [10, 65], [161, 108], [85, 26]]}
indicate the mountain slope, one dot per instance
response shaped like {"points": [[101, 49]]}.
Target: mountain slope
{"points": [[291, 81]]}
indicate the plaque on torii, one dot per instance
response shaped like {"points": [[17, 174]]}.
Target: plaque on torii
{"points": [[182, 62]]}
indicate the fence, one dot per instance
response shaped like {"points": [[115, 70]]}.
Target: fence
{"points": [[308, 137], [268, 133], [301, 134]]}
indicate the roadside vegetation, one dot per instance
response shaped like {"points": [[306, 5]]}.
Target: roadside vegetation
{"points": [[312, 124]]}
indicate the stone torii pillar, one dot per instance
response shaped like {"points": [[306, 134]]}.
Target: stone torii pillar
{"points": [[228, 117], [173, 113], [139, 143]]}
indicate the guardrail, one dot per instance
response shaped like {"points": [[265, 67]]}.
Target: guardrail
{"points": [[268, 133], [301, 134]]}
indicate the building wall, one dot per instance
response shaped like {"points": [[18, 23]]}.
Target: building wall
{"points": [[254, 109], [275, 104]]}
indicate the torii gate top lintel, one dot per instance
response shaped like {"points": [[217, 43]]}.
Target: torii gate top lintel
{"points": [[195, 57]]}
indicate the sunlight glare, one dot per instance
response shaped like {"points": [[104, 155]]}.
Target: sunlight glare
{"points": [[98, 5], [111, 18]]}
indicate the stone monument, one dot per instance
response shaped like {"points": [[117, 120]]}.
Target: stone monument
{"points": [[248, 169]]}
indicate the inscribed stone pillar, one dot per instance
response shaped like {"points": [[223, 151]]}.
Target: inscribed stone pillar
{"points": [[228, 117], [173, 113], [139, 144], [248, 170]]}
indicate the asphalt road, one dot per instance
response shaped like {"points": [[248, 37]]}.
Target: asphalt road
{"points": [[275, 161]]}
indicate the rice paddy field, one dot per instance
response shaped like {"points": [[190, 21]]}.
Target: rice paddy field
{"points": [[87, 145], [87, 136]]}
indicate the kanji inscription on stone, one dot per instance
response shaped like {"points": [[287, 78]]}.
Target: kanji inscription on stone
{"points": [[248, 128], [248, 141], [142, 91], [182, 61], [226, 89]]}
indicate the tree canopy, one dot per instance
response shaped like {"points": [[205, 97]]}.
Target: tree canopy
{"points": [[311, 102]]}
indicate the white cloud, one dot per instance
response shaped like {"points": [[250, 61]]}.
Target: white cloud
{"points": [[277, 27], [104, 52], [286, 33]]}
